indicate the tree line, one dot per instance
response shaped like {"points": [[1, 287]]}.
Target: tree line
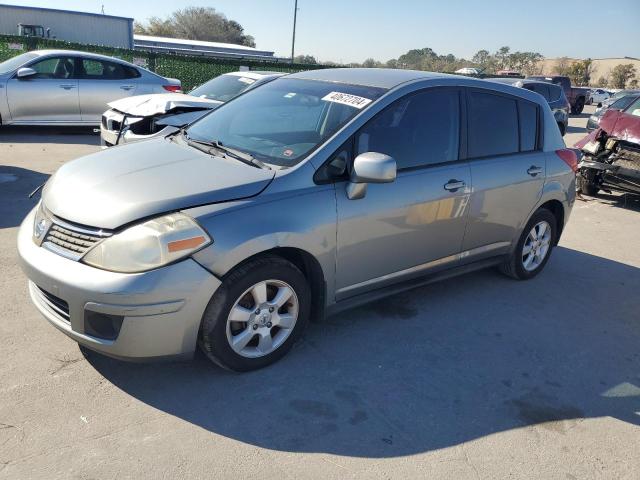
{"points": [[196, 23], [207, 24], [581, 71]]}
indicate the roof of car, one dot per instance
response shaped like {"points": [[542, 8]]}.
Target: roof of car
{"points": [[256, 74], [371, 77], [77, 53], [521, 81]]}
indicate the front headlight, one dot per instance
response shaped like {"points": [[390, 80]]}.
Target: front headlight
{"points": [[149, 245], [41, 224]]}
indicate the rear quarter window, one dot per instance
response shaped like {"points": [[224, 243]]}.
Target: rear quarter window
{"points": [[528, 116], [493, 124]]}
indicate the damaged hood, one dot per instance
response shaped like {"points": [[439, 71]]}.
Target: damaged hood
{"points": [[617, 124], [147, 105], [120, 185]]}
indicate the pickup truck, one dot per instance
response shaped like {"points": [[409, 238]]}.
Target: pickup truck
{"points": [[577, 96]]}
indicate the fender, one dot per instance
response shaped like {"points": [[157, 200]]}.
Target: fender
{"points": [[305, 220]]}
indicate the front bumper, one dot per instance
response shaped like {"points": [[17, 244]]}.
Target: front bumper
{"points": [[160, 310], [110, 128]]}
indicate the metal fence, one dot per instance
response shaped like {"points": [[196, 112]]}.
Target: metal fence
{"points": [[190, 70]]}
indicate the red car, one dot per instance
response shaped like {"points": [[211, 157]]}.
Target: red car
{"points": [[611, 158]]}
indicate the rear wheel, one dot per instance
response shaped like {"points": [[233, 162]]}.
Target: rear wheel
{"points": [[256, 315], [578, 107], [534, 247]]}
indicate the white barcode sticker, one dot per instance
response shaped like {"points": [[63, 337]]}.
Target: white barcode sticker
{"points": [[347, 99], [246, 80]]}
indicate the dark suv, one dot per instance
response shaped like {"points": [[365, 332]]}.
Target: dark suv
{"points": [[553, 94]]}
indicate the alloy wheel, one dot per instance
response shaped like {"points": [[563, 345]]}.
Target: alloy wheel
{"points": [[262, 318], [536, 246]]}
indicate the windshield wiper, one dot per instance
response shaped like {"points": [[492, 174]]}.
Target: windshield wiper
{"points": [[226, 151]]}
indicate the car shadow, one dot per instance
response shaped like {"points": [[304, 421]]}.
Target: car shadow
{"points": [[15, 186], [62, 135], [571, 129], [628, 201], [426, 369], [580, 115]]}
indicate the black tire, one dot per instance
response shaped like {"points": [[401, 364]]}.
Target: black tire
{"points": [[213, 337], [562, 128], [579, 106], [586, 187], [513, 266]]}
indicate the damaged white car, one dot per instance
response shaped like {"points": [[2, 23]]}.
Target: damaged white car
{"points": [[148, 116]]}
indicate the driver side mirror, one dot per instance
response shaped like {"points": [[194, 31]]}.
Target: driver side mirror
{"points": [[25, 72], [370, 167]]}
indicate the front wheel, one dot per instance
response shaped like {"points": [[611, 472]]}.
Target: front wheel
{"points": [[256, 315], [534, 247], [579, 106]]}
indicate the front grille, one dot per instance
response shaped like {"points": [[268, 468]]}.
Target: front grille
{"points": [[58, 306], [70, 240]]}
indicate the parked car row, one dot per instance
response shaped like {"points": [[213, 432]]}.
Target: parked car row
{"points": [[313, 193], [619, 101], [577, 96], [145, 116]]}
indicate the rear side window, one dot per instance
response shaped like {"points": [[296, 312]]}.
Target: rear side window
{"points": [[554, 93], [528, 113], [540, 89], [99, 70], [417, 130], [493, 125]]}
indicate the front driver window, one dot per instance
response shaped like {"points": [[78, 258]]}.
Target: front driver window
{"points": [[417, 130], [56, 68]]}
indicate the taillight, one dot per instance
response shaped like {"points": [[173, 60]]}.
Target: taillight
{"points": [[569, 157], [172, 88]]}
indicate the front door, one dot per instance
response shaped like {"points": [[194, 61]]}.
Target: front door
{"points": [[51, 95], [416, 223]]}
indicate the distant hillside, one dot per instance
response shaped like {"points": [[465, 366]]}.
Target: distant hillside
{"points": [[602, 67]]}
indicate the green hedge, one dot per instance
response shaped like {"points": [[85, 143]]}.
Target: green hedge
{"points": [[190, 70]]}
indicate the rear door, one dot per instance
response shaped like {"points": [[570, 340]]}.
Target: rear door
{"points": [[49, 96], [417, 222], [102, 82], [507, 167]]}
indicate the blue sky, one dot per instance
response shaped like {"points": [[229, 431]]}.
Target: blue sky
{"points": [[352, 30]]}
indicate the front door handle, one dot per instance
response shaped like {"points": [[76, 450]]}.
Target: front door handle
{"points": [[67, 86], [454, 185], [533, 170], [127, 87]]}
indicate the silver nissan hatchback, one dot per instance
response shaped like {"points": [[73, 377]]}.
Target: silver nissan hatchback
{"points": [[314, 193]]}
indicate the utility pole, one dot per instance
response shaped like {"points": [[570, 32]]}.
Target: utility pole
{"points": [[293, 40]]}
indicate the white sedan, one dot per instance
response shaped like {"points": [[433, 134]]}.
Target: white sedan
{"points": [[597, 96]]}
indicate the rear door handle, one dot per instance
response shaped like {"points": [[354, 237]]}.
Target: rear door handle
{"points": [[533, 170], [67, 86], [454, 185], [127, 87]]}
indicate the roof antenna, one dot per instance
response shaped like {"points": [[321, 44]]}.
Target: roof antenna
{"points": [[103, 9]]}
